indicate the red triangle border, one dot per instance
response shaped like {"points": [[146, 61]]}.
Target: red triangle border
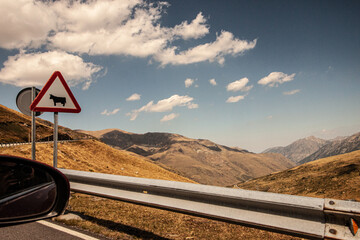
{"points": [[33, 106]]}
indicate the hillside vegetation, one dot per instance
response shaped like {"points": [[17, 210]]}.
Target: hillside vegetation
{"points": [[16, 127], [119, 220], [333, 177], [198, 159], [95, 156]]}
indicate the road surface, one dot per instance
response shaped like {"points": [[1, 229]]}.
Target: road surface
{"points": [[44, 230]]}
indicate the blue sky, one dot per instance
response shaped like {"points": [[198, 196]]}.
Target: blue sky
{"points": [[251, 74]]}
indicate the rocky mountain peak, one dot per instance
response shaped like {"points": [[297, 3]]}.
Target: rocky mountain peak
{"points": [[299, 149]]}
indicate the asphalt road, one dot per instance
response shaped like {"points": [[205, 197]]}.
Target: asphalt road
{"points": [[39, 231]]}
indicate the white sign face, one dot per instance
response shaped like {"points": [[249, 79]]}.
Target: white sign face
{"points": [[55, 96]]}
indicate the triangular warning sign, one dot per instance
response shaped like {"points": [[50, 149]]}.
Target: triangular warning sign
{"points": [[55, 96]]}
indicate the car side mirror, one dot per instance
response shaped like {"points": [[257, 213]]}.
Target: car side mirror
{"points": [[30, 191]]}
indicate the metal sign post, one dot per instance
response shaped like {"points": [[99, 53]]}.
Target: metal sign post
{"points": [[33, 127], [23, 100], [56, 119]]}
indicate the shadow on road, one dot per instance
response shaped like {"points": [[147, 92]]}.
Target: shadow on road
{"points": [[136, 232]]}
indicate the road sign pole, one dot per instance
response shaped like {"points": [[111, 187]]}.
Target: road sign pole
{"points": [[33, 127], [55, 98], [56, 117]]}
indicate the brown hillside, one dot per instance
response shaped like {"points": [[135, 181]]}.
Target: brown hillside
{"points": [[333, 177], [200, 160], [100, 133], [15, 127], [215, 165], [94, 156]]}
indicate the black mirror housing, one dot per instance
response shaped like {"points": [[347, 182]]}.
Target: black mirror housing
{"points": [[30, 191]]}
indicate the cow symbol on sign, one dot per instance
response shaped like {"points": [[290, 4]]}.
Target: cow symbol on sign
{"points": [[55, 96], [61, 100]]}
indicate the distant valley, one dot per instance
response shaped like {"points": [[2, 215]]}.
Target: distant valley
{"points": [[198, 159]]}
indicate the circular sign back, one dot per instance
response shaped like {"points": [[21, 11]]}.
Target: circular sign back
{"points": [[23, 101]]}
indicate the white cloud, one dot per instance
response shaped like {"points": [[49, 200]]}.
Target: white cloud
{"points": [[225, 44], [82, 16], [108, 113], [34, 69], [133, 28], [196, 29], [239, 85], [213, 82], [164, 105], [137, 32], [134, 97], [169, 117], [100, 27], [234, 99], [276, 78], [189, 82], [192, 106], [24, 23], [291, 92], [111, 27]]}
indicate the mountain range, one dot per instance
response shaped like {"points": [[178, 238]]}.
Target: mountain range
{"points": [[312, 148], [299, 149], [335, 147], [198, 159]]}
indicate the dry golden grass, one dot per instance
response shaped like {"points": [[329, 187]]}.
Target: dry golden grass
{"points": [[333, 177], [95, 156], [15, 127], [222, 167], [118, 220]]}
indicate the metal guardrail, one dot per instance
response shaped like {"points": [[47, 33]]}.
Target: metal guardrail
{"points": [[40, 142], [294, 215], [12, 144]]}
